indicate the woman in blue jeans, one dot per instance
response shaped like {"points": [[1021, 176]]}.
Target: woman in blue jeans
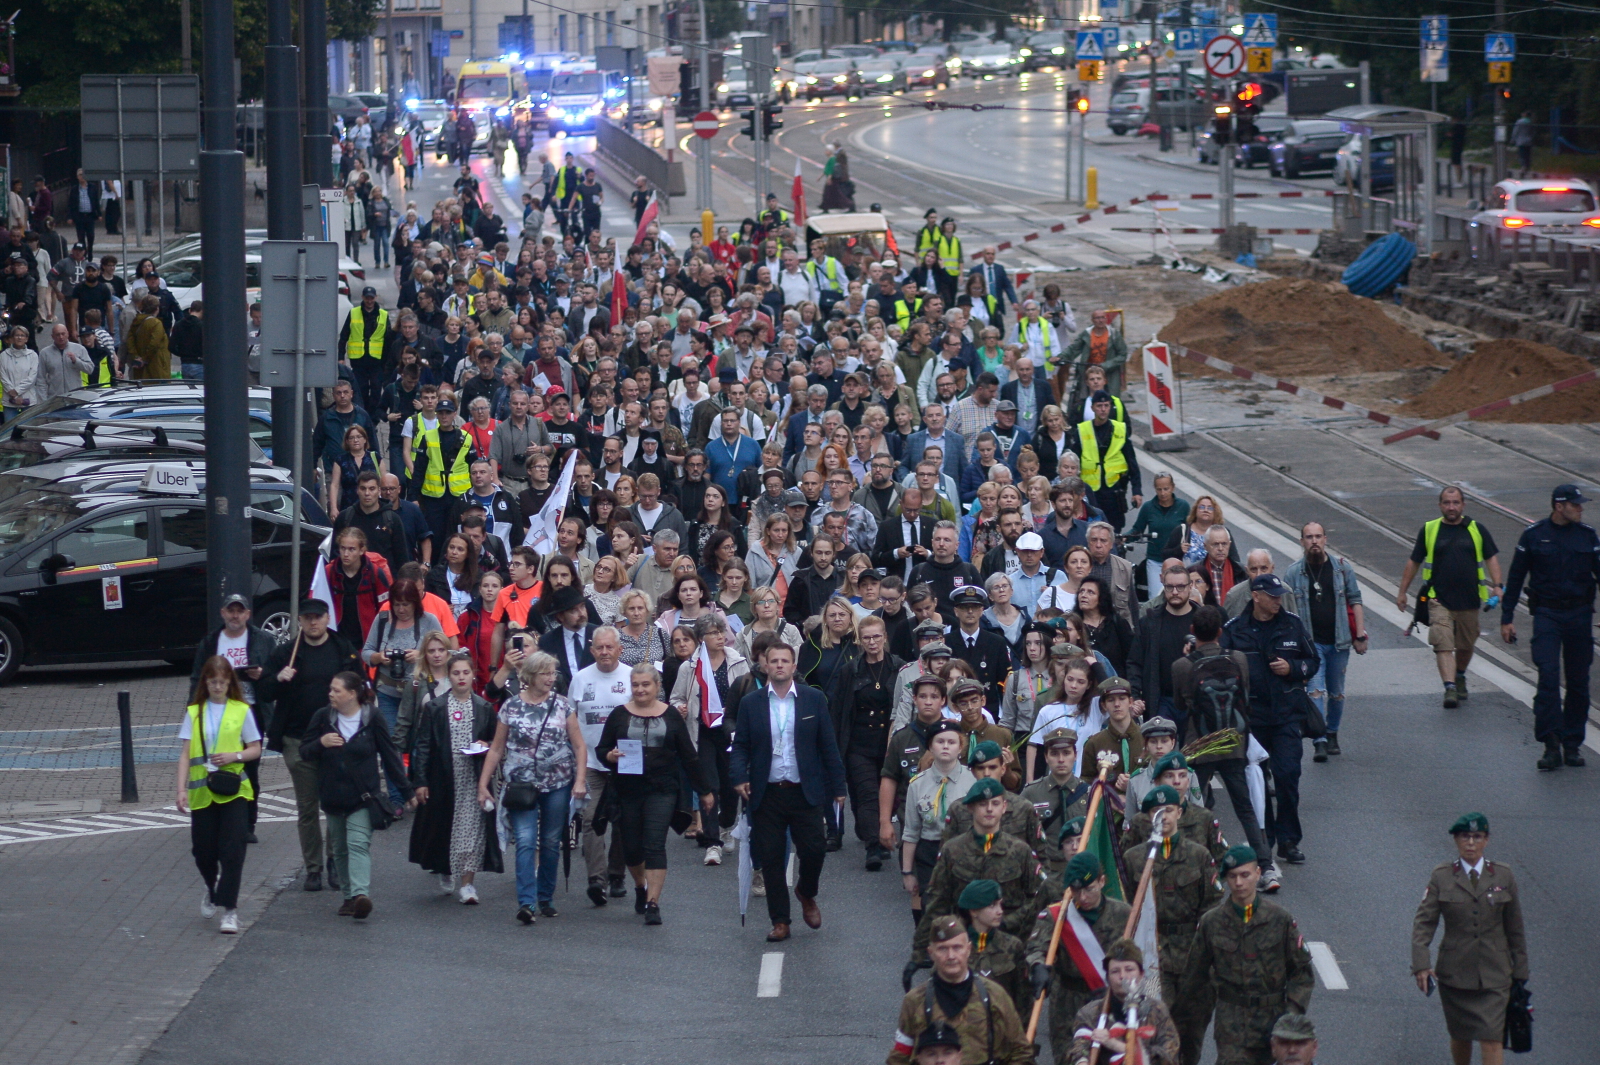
{"points": [[542, 748]]}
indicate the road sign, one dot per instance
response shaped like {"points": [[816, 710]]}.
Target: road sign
{"points": [[1090, 70], [706, 124], [1186, 42], [281, 322], [1261, 31], [1435, 28], [1500, 47], [1499, 73], [1091, 45], [1224, 56], [140, 126], [1435, 59], [1111, 36], [1258, 60]]}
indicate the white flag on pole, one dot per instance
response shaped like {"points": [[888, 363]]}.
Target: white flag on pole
{"points": [[543, 529]]}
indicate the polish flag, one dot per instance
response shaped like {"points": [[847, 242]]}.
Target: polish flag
{"points": [[798, 195], [710, 698], [619, 295], [1084, 949], [650, 212]]}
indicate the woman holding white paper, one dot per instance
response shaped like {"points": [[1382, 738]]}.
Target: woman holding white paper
{"points": [[453, 836], [647, 748]]}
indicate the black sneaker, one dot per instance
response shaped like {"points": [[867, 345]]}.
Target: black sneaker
{"points": [[640, 895], [652, 913], [313, 881], [547, 910], [1573, 757], [619, 888], [1291, 854], [525, 914], [250, 837], [1552, 758], [874, 858], [597, 894], [835, 842], [1452, 697]]}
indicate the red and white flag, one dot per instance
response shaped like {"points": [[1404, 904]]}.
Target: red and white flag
{"points": [[798, 195], [645, 219], [1083, 948], [710, 699], [619, 295]]}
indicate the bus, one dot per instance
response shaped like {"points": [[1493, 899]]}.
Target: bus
{"points": [[490, 85]]}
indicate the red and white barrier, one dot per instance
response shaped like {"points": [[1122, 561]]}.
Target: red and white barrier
{"points": [[1430, 428], [1161, 387], [1211, 229]]}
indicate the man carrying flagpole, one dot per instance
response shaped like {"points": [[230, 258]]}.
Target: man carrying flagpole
{"points": [[1142, 1032], [546, 526], [702, 694], [798, 196], [1093, 922]]}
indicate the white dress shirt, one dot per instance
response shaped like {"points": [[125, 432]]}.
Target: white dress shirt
{"points": [[781, 715]]}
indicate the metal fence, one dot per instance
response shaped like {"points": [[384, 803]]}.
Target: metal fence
{"points": [[638, 158]]}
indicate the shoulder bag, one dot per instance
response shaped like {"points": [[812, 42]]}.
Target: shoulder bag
{"points": [[520, 797], [218, 781]]}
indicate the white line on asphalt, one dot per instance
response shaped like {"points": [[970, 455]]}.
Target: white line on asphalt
{"points": [[1323, 961], [770, 983]]}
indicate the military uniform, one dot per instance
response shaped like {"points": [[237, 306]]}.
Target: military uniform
{"points": [[1056, 804], [1196, 825], [1068, 990], [988, 1025], [902, 760], [1020, 820], [1161, 1048], [1184, 882], [1256, 960], [1003, 958], [1002, 858], [1483, 949], [985, 732], [1107, 739]]}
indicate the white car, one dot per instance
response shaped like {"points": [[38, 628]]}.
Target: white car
{"points": [[183, 281], [983, 59], [1544, 208], [188, 248]]}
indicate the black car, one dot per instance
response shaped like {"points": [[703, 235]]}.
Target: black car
{"points": [[31, 445], [1305, 146], [114, 577], [1258, 149]]}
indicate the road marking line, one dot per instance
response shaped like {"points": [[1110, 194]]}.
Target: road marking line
{"points": [[1323, 961], [770, 983]]}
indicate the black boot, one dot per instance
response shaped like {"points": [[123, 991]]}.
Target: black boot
{"points": [[1333, 743], [1552, 756], [1319, 750], [1574, 757]]}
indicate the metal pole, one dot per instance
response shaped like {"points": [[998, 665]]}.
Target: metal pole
{"points": [[756, 127], [1366, 181], [1499, 103], [318, 141], [281, 102], [297, 466], [130, 779], [1066, 188], [1225, 186], [161, 172], [1083, 152], [185, 49], [227, 408], [122, 185], [708, 96]]}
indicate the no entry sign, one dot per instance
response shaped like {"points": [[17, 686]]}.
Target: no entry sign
{"points": [[706, 124]]}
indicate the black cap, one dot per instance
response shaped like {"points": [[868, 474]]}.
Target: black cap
{"points": [[445, 406], [1100, 396], [939, 1035], [369, 291], [236, 600], [561, 599], [312, 608], [870, 574], [1568, 493]]}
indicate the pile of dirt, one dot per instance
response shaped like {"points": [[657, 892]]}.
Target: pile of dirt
{"points": [[1294, 327], [1500, 368]]}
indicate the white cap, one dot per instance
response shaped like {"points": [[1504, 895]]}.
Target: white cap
{"points": [[1030, 541]]}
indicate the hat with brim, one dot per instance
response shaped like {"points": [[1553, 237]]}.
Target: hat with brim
{"points": [[560, 600]]}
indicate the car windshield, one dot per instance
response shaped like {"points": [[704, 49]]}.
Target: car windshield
{"points": [[989, 49], [185, 273], [429, 114], [1048, 39], [1556, 201], [576, 83], [1329, 140], [832, 66], [484, 87], [1122, 99], [31, 514]]}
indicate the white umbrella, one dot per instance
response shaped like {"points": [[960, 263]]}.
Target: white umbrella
{"points": [[741, 832]]}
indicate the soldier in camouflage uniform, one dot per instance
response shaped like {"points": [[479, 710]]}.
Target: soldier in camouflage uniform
{"points": [[996, 954], [1057, 797], [1197, 824], [904, 759], [1069, 990], [1124, 971], [1252, 954], [978, 1009], [1184, 882], [1020, 820], [985, 853]]}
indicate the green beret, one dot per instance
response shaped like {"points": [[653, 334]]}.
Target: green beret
{"points": [[987, 751], [1175, 760], [1473, 822], [947, 928], [1160, 795], [1070, 828], [1083, 870], [978, 894], [987, 788], [1294, 1028], [1237, 856]]}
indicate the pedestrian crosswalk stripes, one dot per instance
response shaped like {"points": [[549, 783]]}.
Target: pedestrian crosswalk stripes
{"points": [[273, 808]]}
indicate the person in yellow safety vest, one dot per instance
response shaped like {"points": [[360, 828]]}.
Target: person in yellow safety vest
{"points": [[1107, 461], [1460, 566], [928, 235], [827, 275], [365, 333], [218, 736], [948, 246], [1034, 336], [906, 306], [443, 454]]}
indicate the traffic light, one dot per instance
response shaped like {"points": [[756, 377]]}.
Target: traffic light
{"points": [[1081, 105], [1074, 94], [1222, 124], [1247, 99], [688, 88], [770, 122], [749, 129]]}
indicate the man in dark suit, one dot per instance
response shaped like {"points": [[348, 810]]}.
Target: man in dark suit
{"points": [[904, 539], [568, 641], [795, 434], [995, 277], [1031, 393], [785, 764], [985, 650]]}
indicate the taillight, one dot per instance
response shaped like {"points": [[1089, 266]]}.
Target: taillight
{"points": [[1592, 223], [1516, 223]]}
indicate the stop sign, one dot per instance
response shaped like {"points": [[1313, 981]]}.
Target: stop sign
{"points": [[706, 124]]}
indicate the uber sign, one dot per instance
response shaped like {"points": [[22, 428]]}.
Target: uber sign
{"points": [[171, 480]]}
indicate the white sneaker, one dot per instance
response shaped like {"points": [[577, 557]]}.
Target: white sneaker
{"points": [[447, 883], [758, 885], [468, 895], [230, 923], [1271, 881], [208, 909], [713, 855]]}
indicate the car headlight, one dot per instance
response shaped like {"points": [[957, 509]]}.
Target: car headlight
{"points": [[840, 79], [884, 79], [502, 112], [810, 80], [927, 73], [1059, 49], [722, 87], [1025, 51]]}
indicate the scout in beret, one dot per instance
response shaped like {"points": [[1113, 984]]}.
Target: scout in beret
{"points": [[1057, 796], [1069, 989], [1124, 967]]}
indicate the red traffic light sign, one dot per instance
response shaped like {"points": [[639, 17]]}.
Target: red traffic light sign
{"points": [[706, 124], [1224, 56]]}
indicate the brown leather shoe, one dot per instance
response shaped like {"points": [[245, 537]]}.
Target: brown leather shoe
{"points": [[360, 906], [779, 933], [348, 909], [809, 910]]}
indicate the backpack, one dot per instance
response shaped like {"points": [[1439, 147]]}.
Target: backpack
{"points": [[1218, 700]]}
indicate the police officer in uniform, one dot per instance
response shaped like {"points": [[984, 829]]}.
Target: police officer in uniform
{"points": [[1106, 1019], [1559, 558], [985, 650], [1484, 953], [1184, 880], [1058, 796], [996, 954], [1107, 919], [977, 1009], [1251, 953]]}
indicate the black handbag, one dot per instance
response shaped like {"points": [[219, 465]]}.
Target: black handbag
{"points": [[519, 797], [1313, 726], [379, 809], [219, 782], [1519, 1019]]}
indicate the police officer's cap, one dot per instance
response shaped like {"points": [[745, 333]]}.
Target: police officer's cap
{"points": [[1270, 583], [1073, 827], [963, 687], [987, 751], [940, 1035], [931, 627], [1174, 760], [1237, 855], [1295, 1028], [1160, 795], [978, 894], [983, 790], [1059, 737], [1473, 822], [1568, 493], [1083, 870], [1112, 686], [947, 928], [929, 680], [1159, 726], [936, 650], [1125, 950], [969, 595]]}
